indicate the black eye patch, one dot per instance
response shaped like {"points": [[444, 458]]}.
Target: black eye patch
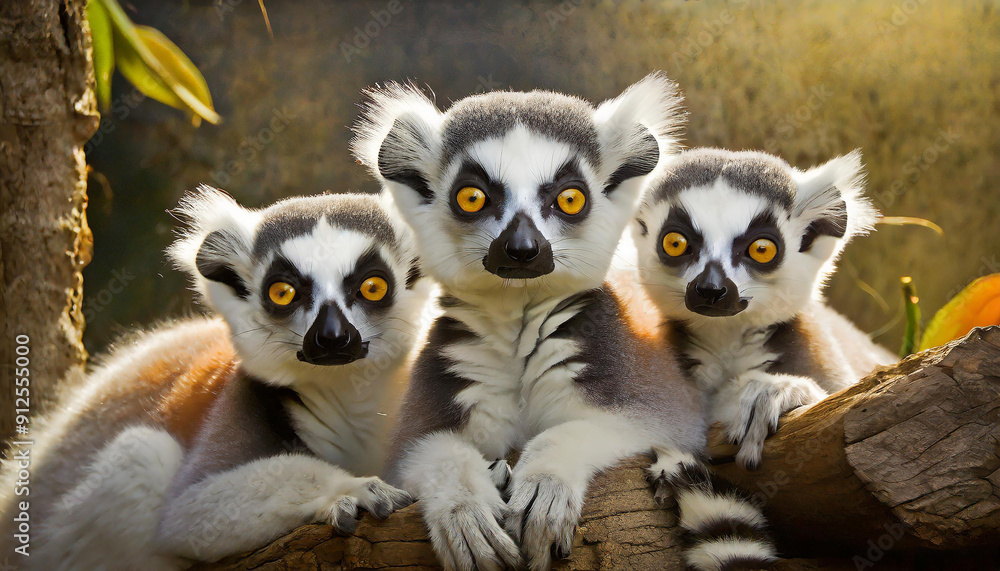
{"points": [[569, 176], [473, 174], [369, 264], [678, 220], [281, 270], [763, 226]]}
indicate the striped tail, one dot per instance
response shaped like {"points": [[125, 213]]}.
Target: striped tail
{"points": [[727, 532]]}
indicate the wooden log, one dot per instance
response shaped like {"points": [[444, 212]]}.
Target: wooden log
{"points": [[907, 457], [890, 471]]}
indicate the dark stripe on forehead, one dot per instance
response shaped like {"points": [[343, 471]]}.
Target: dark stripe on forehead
{"points": [[560, 117], [297, 217], [755, 173]]}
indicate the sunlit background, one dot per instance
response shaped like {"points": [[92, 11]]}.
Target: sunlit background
{"points": [[915, 84]]}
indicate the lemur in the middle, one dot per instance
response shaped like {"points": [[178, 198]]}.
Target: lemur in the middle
{"points": [[517, 201]]}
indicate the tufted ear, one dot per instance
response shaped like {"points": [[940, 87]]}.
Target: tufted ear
{"points": [[637, 128], [398, 137], [830, 201], [216, 242]]}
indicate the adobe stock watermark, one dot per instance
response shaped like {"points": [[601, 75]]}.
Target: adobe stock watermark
{"points": [[486, 83], [802, 116], [370, 31], [561, 12], [877, 548], [901, 14], [121, 108], [20, 448], [98, 302], [251, 146], [916, 165]]}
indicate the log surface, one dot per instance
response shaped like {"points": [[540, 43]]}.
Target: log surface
{"points": [[890, 471]]}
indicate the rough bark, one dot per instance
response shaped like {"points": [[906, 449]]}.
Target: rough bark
{"points": [[909, 455], [48, 112], [899, 471]]}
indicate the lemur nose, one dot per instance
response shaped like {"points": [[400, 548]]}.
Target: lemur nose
{"points": [[711, 292], [522, 244], [334, 331], [521, 248]]}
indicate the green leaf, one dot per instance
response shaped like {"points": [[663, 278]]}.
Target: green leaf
{"points": [[142, 76], [911, 337], [158, 68], [183, 77], [104, 54]]}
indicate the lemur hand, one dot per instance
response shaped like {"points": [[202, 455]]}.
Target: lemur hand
{"points": [[372, 494], [466, 527], [544, 512], [763, 398], [500, 473]]}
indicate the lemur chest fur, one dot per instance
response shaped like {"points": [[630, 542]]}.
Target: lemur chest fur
{"points": [[346, 422], [521, 374], [719, 355]]}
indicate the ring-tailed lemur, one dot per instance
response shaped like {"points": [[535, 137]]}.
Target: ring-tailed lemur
{"points": [[517, 201], [219, 435], [734, 248]]}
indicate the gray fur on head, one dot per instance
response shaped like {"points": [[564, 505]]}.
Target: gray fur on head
{"points": [[518, 146], [323, 246], [721, 201]]}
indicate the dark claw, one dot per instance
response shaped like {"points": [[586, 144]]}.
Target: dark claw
{"points": [[346, 524]]}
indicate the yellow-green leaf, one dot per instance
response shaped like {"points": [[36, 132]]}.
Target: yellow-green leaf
{"points": [[184, 78], [134, 68], [103, 50], [172, 80]]}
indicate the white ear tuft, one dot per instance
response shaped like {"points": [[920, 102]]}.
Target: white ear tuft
{"points": [[831, 198], [216, 242], [397, 135], [651, 106]]}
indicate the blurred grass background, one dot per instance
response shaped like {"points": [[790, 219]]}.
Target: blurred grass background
{"points": [[915, 84]]}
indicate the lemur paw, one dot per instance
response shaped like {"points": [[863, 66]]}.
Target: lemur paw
{"points": [[671, 469], [500, 473], [762, 401], [469, 535], [342, 515], [543, 519], [373, 495], [381, 499]]}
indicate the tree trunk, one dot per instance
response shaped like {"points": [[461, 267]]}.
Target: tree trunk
{"points": [[49, 112], [908, 457], [900, 470]]}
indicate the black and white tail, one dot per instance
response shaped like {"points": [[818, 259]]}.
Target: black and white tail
{"points": [[727, 532]]}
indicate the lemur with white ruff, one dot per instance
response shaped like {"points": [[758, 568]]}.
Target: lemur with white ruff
{"points": [[735, 248], [517, 201], [209, 437]]}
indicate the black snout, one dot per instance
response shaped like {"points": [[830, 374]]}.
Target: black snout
{"points": [[520, 251], [713, 294], [332, 339]]}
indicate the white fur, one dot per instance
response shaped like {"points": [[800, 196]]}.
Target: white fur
{"points": [[712, 556], [730, 352], [248, 506], [109, 520], [459, 502], [699, 509], [343, 415], [522, 392]]}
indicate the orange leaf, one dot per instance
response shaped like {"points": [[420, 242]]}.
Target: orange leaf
{"points": [[978, 305]]}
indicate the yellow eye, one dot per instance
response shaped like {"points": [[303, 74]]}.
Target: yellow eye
{"points": [[763, 250], [281, 293], [571, 200], [675, 244], [374, 288], [471, 199]]}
